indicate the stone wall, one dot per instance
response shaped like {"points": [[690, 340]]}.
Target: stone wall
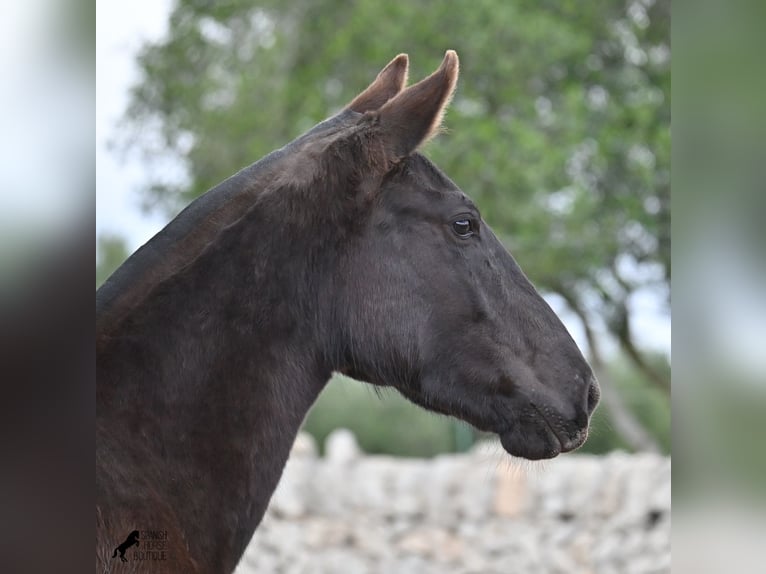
{"points": [[473, 513]]}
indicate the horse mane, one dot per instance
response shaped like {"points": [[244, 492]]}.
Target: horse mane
{"points": [[184, 238]]}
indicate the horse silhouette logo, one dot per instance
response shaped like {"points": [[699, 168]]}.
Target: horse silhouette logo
{"points": [[131, 540]]}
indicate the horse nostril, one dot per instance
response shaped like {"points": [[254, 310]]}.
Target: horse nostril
{"points": [[594, 393]]}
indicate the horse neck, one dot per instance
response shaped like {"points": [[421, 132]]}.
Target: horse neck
{"points": [[215, 371]]}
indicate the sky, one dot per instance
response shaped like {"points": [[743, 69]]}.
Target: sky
{"points": [[122, 27], [121, 30]]}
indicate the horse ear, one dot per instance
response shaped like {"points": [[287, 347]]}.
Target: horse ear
{"points": [[390, 81], [415, 114]]}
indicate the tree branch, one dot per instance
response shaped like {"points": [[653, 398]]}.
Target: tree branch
{"points": [[626, 423], [626, 342], [620, 326]]}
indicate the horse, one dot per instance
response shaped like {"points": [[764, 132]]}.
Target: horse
{"points": [[345, 251], [131, 540]]}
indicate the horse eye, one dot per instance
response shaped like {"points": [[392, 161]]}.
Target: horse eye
{"points": [[463, 227]]}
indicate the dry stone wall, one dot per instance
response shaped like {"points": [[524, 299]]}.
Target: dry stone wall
{"points": [[477, 513]]}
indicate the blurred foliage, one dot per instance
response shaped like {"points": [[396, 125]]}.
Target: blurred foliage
{"points": [[560, 128], [384, 424], [719, 168]]}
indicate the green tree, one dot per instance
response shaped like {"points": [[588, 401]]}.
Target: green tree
{"points": [[111, 251], [559, 129]]}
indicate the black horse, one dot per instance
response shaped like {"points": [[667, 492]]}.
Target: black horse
{"points": [[131, 540], [346, 251]]}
